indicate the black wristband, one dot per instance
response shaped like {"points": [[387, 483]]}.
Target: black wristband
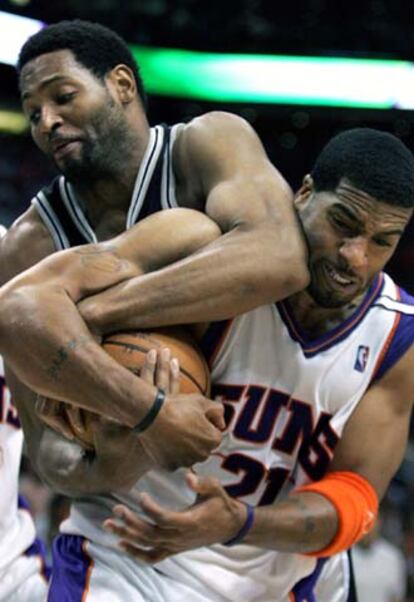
{"points": [[245, 528], [152, 413]]}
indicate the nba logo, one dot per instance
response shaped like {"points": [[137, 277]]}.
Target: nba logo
{"points": [[361, 358]]}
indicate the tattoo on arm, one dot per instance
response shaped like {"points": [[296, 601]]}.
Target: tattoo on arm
{"points": [[308, 522], [62, 356]]}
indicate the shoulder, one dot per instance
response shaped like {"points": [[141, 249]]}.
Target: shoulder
{"points": [[397, 383], [397, 306], [25, 243], [216, 129], [218, 148], [217, 121]]}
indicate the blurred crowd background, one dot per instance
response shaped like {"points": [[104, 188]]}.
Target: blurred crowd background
{"points": [[292, 136]]}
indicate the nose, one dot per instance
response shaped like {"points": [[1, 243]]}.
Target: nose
{"points": [[50, 119], [355, 252]]}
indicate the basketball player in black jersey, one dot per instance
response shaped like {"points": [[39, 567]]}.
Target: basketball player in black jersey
{"points": [[83, 96]]}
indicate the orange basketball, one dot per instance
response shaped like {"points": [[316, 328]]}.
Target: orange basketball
{"points": [[130, 350]]}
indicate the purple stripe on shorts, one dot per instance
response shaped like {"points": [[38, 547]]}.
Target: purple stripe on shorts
{"points": [[23, 503], [70, 571], [38, 548], [303, 590]]}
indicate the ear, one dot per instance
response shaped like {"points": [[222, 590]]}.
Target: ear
{"points": [[304, 192], [121, 82]]}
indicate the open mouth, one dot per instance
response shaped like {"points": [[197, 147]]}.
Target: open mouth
{"points": [[338, 277]]}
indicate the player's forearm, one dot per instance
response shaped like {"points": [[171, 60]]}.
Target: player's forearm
{"points": [[305, 522], [49, 348], [239, 271]]}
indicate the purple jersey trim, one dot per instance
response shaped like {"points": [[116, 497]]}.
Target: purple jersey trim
{"points": [[402, 337], [303, 590], [312, 347], [71, 569], [213, 339]]}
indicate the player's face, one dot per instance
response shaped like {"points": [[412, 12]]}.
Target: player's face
{"points": [[351, 236], [75, 118]]}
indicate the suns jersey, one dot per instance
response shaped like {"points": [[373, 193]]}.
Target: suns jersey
{"points": [[17, 531], [287, 400]]}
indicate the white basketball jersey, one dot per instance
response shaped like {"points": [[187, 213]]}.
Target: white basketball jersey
{"points": [[287, 400], [16, 525]]}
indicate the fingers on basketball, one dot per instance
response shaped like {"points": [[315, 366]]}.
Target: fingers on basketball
{"points": [[177, 366]]}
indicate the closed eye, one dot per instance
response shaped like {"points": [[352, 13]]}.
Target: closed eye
{"points": [[344, 226], [382, 242], [63, 99]]}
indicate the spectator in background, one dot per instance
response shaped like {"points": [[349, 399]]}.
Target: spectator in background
{"points": [[380, 569]]}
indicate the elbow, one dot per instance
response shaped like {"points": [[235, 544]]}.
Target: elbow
{"points": [[14, 303], [298, 278], [282, 270], [289, 258], [56, 462], [275, 258], [277, 284]]}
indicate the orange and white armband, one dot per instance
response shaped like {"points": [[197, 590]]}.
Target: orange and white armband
{"points": [[356, 503]]}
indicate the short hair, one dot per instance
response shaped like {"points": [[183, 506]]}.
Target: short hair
{"points": [[94, 46], [375, 162]]}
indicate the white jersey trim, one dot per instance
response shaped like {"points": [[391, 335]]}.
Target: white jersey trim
{"points": [[168, 197], [73, 206], [395, 305], [48, 215], [145, 173]]}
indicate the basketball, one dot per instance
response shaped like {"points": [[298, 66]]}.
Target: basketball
{"points": [[130, 349]]}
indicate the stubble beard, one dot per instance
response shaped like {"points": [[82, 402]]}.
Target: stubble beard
{"points": [[324, 297], [103, 153]]}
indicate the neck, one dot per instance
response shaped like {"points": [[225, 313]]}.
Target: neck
{"points": [[111, 193], [316, 320]]}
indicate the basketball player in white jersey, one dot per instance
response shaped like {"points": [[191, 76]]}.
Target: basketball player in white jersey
{"points": [[320, 383], [23, 574]]}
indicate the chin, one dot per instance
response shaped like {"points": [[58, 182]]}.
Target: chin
{"points": [[75, 171], [328, 299]]}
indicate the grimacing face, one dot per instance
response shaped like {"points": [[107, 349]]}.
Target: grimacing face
{"points": [[350, 235], [75, 118]]}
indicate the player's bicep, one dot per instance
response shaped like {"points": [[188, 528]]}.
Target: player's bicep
{"points": [[250, 200], [230, 172], [375, 437]]}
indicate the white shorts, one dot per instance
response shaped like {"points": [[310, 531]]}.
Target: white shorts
{"points": [[87, 572], [25, 579], [335, 581]]}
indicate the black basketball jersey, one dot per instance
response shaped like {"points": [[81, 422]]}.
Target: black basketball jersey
{"points": [[154, 190]]}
